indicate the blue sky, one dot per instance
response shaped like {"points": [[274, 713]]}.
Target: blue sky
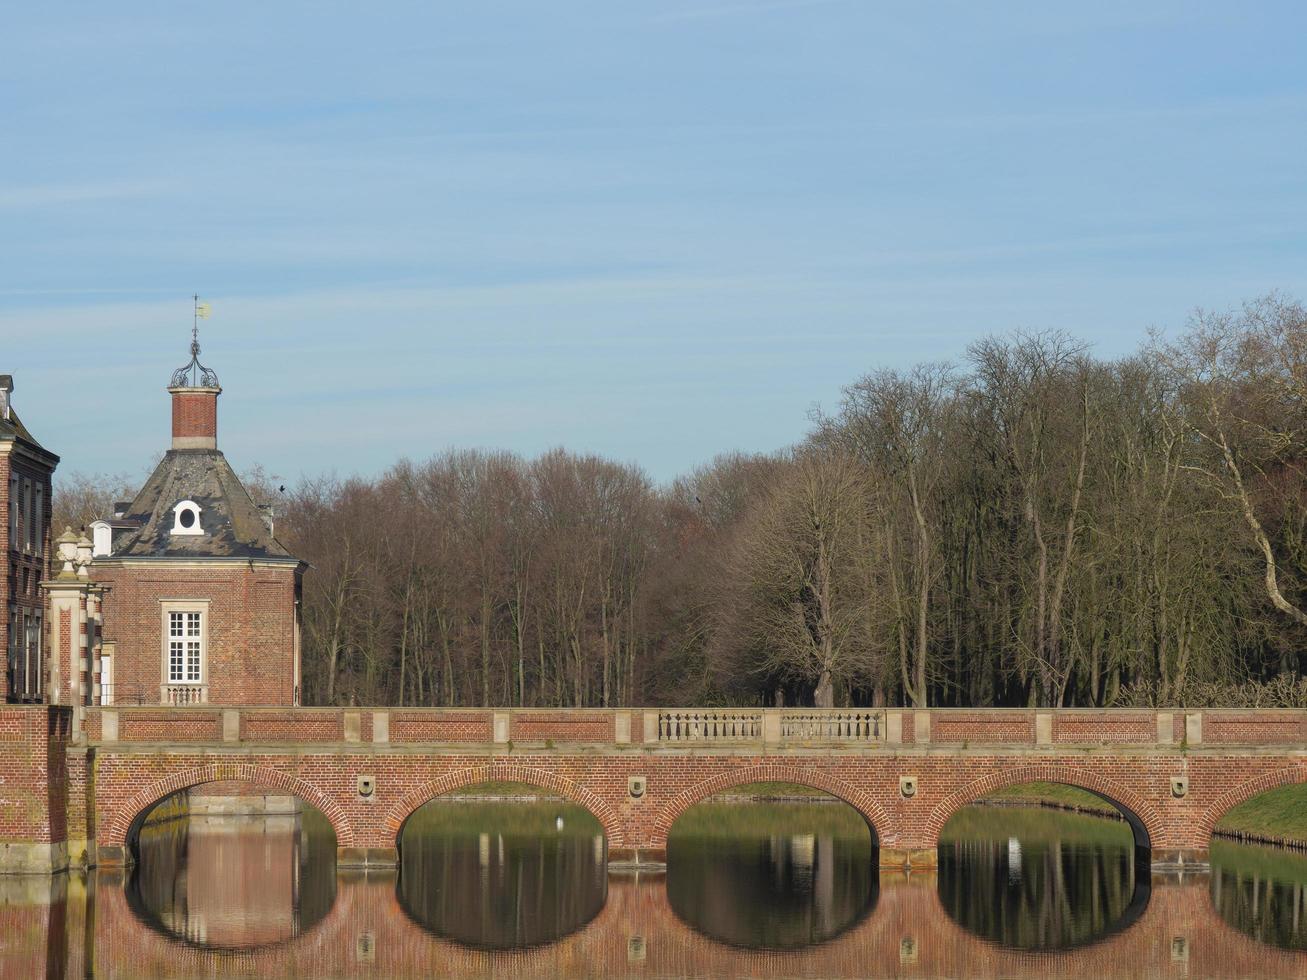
{"points": [[656, 231]]}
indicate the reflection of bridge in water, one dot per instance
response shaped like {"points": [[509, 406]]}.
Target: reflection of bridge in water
{"points": [[78, 926]]}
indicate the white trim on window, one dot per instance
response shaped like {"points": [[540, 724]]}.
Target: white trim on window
{"points": [[185, 641]]}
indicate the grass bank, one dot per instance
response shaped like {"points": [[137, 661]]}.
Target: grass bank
{"points": [[1278, 816], [1275, 817]]}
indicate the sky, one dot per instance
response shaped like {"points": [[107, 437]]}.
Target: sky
{"points": [[657, 231]]}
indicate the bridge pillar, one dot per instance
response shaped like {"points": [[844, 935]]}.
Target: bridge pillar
{"points": [[637, 858], [1194, 860], [367, 857], [909, 858]]}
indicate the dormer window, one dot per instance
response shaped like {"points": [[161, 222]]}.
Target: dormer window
{"points": [[186, 518], [101, 539]]}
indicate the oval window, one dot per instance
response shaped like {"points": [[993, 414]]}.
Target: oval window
{"points": [[186, 518]]}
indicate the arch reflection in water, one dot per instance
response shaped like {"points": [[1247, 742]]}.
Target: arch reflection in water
{"points": [[1033, 878], [502, 875], [771, 875], [232, 882], [1262, 892]]}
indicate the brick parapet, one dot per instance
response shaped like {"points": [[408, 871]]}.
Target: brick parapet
{"points": [[954, 729]]}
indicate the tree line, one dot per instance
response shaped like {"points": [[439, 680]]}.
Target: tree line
{"points": [[1032, 525]]}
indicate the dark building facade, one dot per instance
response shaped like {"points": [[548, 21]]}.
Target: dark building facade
{"points": [[26, 470]]}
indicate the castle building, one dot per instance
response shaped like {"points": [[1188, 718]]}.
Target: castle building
{"points": [[184, 595], [26, 469], [200, 604]]}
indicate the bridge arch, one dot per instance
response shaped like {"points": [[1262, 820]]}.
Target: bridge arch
{"points": [[1141, 815], [127, 819], [1231, 798], [602, 811], [871, 811]]}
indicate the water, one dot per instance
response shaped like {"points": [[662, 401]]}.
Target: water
{"points": [[491, 889]]}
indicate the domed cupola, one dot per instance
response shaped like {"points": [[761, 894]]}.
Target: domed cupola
{"points": [[195, 390], [193, 505]]}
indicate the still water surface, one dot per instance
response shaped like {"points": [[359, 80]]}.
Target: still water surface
{"points": [[505, 889]]}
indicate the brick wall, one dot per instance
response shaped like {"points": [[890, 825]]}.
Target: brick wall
{"points": [[195, 414], [440, 726], [251, 628], [183, 725], [293, 726], [1104, 727], [979, 726], [1257, 727], [33, 773], [571, 726]]}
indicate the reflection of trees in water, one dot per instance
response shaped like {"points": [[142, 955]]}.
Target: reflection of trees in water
{"points": [[757, 875], [1063, 887], [505, 875], [235, 882], [1261, 892]]}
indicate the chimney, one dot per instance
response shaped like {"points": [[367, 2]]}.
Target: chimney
{"points": [[6, 391], [195, 417]]}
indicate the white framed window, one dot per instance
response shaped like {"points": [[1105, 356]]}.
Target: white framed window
{"points": [[185, 641], [185, 647], [186, 518]]}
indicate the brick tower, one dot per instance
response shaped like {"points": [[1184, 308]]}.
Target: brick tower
{"points": [[201, 601]]}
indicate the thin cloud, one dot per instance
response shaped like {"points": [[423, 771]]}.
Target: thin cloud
{"points": [[54, 195], [738, 9]]}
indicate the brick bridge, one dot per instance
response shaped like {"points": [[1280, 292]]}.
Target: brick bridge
{"points": [[79, 798]]}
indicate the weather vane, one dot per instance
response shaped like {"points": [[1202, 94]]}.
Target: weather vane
{"points": [[195, 374]]}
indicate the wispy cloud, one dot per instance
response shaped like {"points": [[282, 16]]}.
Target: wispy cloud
{"points": [[714, 11], [55, 195]]}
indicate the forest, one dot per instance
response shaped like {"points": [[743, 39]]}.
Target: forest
{"points": [[1033, 525]]}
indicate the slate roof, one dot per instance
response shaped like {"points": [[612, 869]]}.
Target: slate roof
{"points": [[13, 430], [233, 525]]}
